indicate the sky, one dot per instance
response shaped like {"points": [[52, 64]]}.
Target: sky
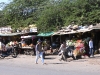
{"points": [[6, 1]]}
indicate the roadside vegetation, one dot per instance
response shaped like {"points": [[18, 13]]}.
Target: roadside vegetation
{"points": [[49, 15]]}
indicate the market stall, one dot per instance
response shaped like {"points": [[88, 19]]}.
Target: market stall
{"points": [[27, 44]]}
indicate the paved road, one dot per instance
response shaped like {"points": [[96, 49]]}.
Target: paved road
{"points": [[24, 65]]}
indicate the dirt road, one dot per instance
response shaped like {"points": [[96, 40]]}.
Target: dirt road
{"points": [[24, 65]]}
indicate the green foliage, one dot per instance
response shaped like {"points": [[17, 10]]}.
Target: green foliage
{"points": [[50, 15]]}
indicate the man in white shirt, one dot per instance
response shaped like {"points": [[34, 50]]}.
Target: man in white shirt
{"points": [[62, 50], [91, 48]]}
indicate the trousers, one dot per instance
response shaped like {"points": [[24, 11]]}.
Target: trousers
{"points": [[91, 51], [39, 55]]}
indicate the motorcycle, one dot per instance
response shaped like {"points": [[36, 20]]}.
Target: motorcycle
{"points": [[73, 52], [9, 51]]}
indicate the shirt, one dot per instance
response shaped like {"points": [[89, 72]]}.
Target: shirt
{"points": [[38, 48], [0, 45], [90, 44], [62, 47]]}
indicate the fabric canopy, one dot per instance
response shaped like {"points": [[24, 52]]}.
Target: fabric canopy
{"points": [[28, 37], [45, 34]]}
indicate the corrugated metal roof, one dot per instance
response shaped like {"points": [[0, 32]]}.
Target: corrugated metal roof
{"points": [[72, 32], [11, 34], [97, 26]]}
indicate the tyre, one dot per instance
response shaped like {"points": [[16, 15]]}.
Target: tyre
{"points": [[73, 57], [14, 53], [2, 57]]}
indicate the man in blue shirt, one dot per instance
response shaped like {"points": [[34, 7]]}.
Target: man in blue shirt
{"points": [[91, 48]]}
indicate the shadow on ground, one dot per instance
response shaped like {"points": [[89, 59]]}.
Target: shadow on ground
{"points": [[49, 58], [57, 63]]}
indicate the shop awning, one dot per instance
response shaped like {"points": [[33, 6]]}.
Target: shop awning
{"points": [[29, 36], [45, 34], [14, 34], [9, 34], [72, 32]]}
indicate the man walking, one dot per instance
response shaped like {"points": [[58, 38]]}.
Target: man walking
{"points": [[62, 50], [39, 52], [91, 48]]}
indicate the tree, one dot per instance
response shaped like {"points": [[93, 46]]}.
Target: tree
{"points": [[19, 12], [50, 15]]}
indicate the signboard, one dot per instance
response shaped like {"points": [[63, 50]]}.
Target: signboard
{"points": [[33, 29], [7, 29]]}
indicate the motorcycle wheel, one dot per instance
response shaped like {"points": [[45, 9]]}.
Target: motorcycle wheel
{"points": [[14, 54], [73, 57], [2, 57]]}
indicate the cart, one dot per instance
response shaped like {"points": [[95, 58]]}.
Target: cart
{"points": [[29, 47]]}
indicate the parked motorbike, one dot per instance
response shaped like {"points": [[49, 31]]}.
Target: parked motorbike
{"points": [[73, 52], [10, 51]]}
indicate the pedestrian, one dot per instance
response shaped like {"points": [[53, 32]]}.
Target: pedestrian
{"points": [[45, 45], [86, 49], [23, 42], [39, 52], [91, 52], [62, 50], [2, 47]]}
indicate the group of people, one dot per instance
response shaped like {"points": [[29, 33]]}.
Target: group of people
{"points": [[7, 48], [81, 48], [62, 49], [39, 49]]}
